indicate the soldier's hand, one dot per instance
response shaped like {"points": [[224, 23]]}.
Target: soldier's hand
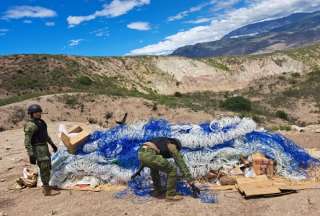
{"points": [[33, 160], [190, 183], [55, 148]]}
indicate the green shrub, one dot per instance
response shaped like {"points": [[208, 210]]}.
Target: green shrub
{"points": [[71, 100], [177, 94], [282, 115], [84, 80], [237, 104], [18, 115], [285, 127]]}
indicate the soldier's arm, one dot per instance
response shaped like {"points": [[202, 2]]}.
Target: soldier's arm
{"points": [[49, 140], [178, 158], [54, 147], [29, 130]]}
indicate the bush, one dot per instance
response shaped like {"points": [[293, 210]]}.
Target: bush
{"points": [[154, 107], [108, 115], [285, 128], [282, 115], [237, 104], [92, 120], [84, 80], [177, 94], [71, 100], [18, 115]]}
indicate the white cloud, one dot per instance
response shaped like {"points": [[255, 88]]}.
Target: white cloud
{"points": [[185, 13], [102, 32], [254, 12], [217, 6], [114, 9], [140, 26], [27, 21], [24, 11], [224, 5], [76, 42], [50, 24], [200, 20]]}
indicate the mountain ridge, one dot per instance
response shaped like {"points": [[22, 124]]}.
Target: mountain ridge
{"points": [[294, 31]]}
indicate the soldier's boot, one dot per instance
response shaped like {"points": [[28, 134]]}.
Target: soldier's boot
{"points": [[174, 198], [46, 190], [158, 192]]}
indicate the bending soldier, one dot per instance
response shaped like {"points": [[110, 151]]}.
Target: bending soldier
{"points": [[153, 154]]}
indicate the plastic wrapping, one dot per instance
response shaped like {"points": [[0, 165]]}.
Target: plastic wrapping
{"points": [[111, 155]]}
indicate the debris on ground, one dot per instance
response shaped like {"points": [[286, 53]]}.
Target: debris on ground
{"points": [[28, 179], [314, 152]]}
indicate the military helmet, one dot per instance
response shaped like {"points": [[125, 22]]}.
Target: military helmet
{"points": [[34, 108]]}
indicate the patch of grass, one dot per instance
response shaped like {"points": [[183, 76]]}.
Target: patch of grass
{"points": [[237, 104], [71, 100], [215, 63], [281, 128], [84, 80], [14, 99], [282, 115]]}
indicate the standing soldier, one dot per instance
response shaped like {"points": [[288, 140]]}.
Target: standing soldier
{"points": [[153, 154], [36, 139]]}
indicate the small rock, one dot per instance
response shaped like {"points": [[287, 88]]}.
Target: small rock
{"points": [[8, 148], [3, 214], [0, 158], [297, 128], [2, 180], [10, 168], [53, 212]]}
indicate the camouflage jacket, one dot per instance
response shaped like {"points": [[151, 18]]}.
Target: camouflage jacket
{"points": [[178, 158], [41, 150]]}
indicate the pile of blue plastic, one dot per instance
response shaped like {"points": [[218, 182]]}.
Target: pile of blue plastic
{"points": [[111, 156]]}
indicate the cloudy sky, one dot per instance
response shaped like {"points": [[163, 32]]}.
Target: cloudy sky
{"points": [[129, 27]]}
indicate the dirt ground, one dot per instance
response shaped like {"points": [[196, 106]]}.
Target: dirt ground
{"points": [[31, 202]]}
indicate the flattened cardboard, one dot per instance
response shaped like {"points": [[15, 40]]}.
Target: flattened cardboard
{"points": [[259, 186]]}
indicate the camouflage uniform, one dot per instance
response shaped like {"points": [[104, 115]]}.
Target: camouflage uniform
{"points": [[39, 151], [156, 162]]}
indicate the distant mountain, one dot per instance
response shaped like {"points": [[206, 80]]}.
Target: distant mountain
{"points": [[295, 30]]}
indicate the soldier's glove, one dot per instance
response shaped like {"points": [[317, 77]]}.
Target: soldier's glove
{"points": [[33, 160], [54, 147], [195, 190]]}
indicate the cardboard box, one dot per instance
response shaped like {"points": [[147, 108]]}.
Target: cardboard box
{"points": [[262, 165], [73, 142]]}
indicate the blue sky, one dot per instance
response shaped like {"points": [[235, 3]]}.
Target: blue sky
{"points": [[128, 27]]}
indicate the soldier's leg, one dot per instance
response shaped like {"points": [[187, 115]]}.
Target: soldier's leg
{"points": [[146, 156], [151, 159], [162, 164], [45, 171], [156, 180]]}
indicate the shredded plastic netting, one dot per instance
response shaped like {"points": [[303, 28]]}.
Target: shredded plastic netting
{"points": [[111, 156]]}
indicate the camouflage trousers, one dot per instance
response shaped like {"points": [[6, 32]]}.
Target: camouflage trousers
{"points": [[44, 162], [150, 158], [45, 171]]}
